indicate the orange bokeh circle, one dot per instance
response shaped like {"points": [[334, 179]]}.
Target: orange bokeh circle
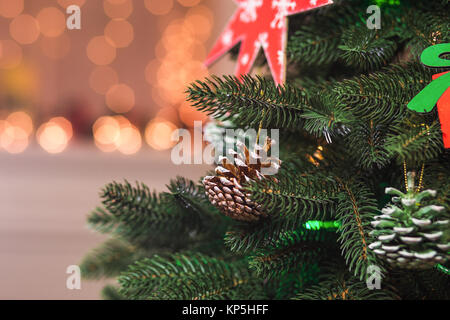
{"points": [[100, 51], [24, 29], [52, 21], [119, 32]]}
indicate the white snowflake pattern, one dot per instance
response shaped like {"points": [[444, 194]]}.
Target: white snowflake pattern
{"points": [[282, 7], [227, 37], [244, 59], [280, 57], [262, 40], [249, 6], [313, 2]]}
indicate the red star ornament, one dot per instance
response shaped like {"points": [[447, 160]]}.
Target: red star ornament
{"points": [[261, 23]]}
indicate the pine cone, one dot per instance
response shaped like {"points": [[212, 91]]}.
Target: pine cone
{"points": [[409, 235], [225, 190]]}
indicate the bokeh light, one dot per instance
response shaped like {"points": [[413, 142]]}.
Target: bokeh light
{"points": [[66, 3], [55, 48], [158, 134], [11, 8], [120, 32], [100, 51], [118, 9], [11, 54], [106, 132], [158, 7], [12, 138], [24, 29], [116, 133], [130, 140], [52, 21], [150, 71], [64, 124], [102, 78], [21, 120], [200, 20], [189, 114], [15, 132], [120, 98], [53, 137], [189, 3]]}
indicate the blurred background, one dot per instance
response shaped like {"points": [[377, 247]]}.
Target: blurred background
{"points": [[80, 108]]}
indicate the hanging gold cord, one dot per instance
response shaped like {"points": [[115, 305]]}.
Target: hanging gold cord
{"points": [[404, 173], [259, 129], [422, 170], [423, 164], [419, 187], [421, 177]]}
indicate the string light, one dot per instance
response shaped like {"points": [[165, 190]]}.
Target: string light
{"points": [[158, 134], [11, 8], [189, 3], [116, 133], [120, 98], [158, 7], [52, 22], [24, 29], [15, 132], [119, 32], [118, 9], [66, 3], [100, 51], [53, 137]]}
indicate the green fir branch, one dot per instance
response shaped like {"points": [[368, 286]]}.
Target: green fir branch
{"points": [[187, 277], [109, 259], [366, 49], [355, 211], [249, 102], [415, 144]]}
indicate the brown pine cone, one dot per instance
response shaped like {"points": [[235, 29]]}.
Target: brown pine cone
{"points": [[225, 190]]}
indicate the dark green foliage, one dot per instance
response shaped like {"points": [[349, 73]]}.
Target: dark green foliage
{"points": [[415, 143], [109, 259], [424, 285], [356, 209], [140, 216], [110, 292], [297, 196], [345, 135], [365, 50], [292, 252], [249, 102], [366, 143], [190, 276], [382, 96], [337, 287], [427, 28]]}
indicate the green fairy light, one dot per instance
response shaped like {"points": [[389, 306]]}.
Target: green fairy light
{"points": [[387, 2], [443, 269], [317, 225]]}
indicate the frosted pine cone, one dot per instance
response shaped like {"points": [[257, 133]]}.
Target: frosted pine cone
{"points": [[410, 235], [225, 190]]}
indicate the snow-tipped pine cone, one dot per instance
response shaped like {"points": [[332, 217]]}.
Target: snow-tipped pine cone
{"points": [[225, 190], [409, 235]]}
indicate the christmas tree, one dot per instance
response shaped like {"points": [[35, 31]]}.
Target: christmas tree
{"points": [[359, 206]]}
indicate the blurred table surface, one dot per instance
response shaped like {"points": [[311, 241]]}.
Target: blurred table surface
{"points": [[44, 201]]}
